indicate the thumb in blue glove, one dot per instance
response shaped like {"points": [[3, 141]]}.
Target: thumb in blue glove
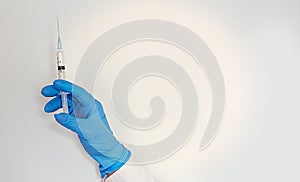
{"points": [[87, 118]]}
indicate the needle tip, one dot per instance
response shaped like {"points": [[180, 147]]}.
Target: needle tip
{"points": [[58, 27]]}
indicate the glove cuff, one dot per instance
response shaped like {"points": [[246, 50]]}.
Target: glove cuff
{"points": [[126, 154]]}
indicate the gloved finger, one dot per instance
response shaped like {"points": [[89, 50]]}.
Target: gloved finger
{"points": [[78, 92], [67, 121], [49, 91], [55, 104]]}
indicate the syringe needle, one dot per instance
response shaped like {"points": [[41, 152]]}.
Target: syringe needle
{"points": [[59, 43], [57, 25]]}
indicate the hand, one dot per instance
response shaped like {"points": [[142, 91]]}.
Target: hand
{"points": [[87, 118]]}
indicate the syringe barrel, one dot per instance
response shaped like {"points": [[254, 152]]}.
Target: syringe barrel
{"points": [[60, 64], [62, 75], [60, 57]]}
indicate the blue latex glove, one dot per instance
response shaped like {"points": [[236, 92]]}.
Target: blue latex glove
{"points": [[87, 118]]}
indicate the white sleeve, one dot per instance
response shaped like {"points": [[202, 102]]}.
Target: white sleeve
{"points": [[131, 173]]}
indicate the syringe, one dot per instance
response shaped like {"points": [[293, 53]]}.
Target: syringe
{"points": [[61, 68]]}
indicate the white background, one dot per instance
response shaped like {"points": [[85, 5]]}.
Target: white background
{"points": [[256, 43]]}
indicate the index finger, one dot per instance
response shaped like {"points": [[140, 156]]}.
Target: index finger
{"points": [[49, 91], [78, 92]]}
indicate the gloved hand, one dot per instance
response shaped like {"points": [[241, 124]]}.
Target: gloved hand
{"points": [[87, 118]]}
